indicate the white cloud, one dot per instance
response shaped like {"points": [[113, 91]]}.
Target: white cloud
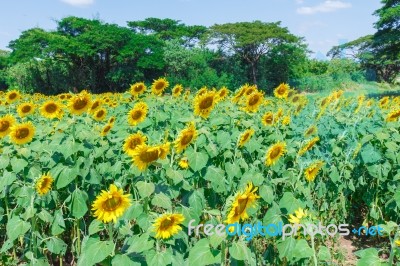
{"points": [[325, 7], [299, 1], [79, 2]]}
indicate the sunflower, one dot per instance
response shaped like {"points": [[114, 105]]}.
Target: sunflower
{"points": [[22, 133], [282, 91], [268, 119], [187, 136], [159, 86], [254, 101], [107, 128], [397, 242], [245, 137], [96, 104], [312, 171], [201, 91], [144, 155], [80, 103], [168, 225], [137, 114], [132, 141], [384, 102], [6, 122], [100, 114], [311, 131], [222, 93], [13, 96], [25, 109], [250, 90], [241, 203], [184, 163], [274, 153], [137, 89], [393, 116], [239, 93], [111, 120], [43, 184], [177, 90], [298, 215], [295, 99], [204, 103], [286, 120], [308, 146], [111, 204], [51, 109], [279, 114]]}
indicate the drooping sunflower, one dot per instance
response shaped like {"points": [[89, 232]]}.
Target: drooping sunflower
{"points": [[177, 90], [137, 114], [22, 133], [239, 93], [132, 141], [168, 225], [25, 109], [159, 86], [223, 93], [253, 101], [106, 129], [144, 155], [308, 146], [298, 215], [184, 163], [241, 203], [250, 89], [6, 122], [80, 103], [268, 119], [204, 104], [312, 171], [393, 116], [43, 184], [137, 89], [51, 109], [282, 91], [111, 204], [311, 131], [186, 136], [245, 137], [13, 96], [100, 114], [274, 153]]}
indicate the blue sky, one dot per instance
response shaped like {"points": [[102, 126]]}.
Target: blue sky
{"points": [[323, 23]]}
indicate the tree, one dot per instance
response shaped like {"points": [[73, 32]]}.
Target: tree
{"points": [[4, 58], [250, 40]]}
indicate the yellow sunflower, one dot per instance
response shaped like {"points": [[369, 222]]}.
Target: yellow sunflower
{"points": [[245, 137], [274, 153], [137, 114], [250, 89], [51, 109], [111, 120], [106, 129], [282, 91], [80, 103], [186, 136], [22, 133], [168, 225], [286, 120], [204, 104], [383, 103], [159, 86], [393, 116], [295, 99], [184, 163], [43, 184], [298, 215], [6, 122], [100, 114], [25, 109], [13, 96], [312, 171], [201, 91], [177, 90], [253, 101], [241, 203], [239, 93], [111, 204], [222, 93], [144, 155], [132, 141], [96, 104], [311, 131], [137, 89], [308, 146], [268, 119]]}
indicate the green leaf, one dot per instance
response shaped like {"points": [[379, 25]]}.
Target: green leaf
{"points": [[66, 176], [95, 251], [197, 160], [240, 251], [16, 227], [370, 155], [324, 254], [56, 245], [232, 170], [302, 250], [289, 203], [95, 226], [58, 225], [145, 189], [217, 178], [267, 194], [286, 247], [139, 243], [196, 200], [122, 259], [7, 179], [158, 258], [4, 162], [79, 205], [162, 200], [18, 164], [200, 254], [369, 256]]}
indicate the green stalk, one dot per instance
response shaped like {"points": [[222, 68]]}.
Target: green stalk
{"points": [[392, 248], [78, 236], [223, 252], [314, 253]]}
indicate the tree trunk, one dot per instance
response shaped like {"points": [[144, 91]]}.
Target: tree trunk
{"points": [[254, 72]]}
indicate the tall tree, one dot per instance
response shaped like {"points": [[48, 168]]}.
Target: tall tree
{"points": [[250, 40]]}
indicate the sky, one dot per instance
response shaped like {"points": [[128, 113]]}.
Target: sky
{"points": [[323, 23]]}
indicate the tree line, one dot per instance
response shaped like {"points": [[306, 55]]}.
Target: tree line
{"points": [[91, 54]]}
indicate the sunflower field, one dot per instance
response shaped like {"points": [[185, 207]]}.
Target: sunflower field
{"points": [[115, 179]]}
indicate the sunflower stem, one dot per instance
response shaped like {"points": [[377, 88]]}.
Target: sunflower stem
{"points": [[314, 252], [78, 236]]}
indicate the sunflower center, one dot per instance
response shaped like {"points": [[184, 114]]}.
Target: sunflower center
{"points": [[242, 203], [282, 90], [95, 105], [249, 91], [107, 128], [22, 133], [45, 183], [134, 143], [80, 104], [254, 100], [4, 125], [395, 115], [245, 137], [112, 119], [159, 86], [275, 152], [138, 88], [100, 113], [12, 96], [137, 114], [295, 99], [187, 138], [268, 119], [26, 109], [150, 155], [207, 102], [112, 203], [51, 108], [167, 223]]}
